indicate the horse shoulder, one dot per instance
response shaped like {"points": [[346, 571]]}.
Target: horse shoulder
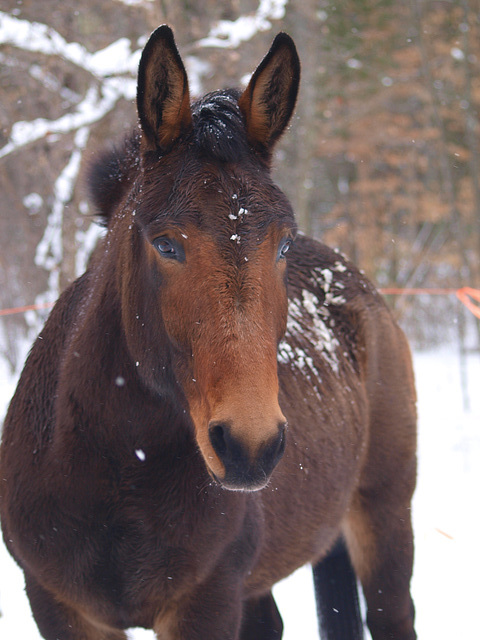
{"points": [[372, 349]]}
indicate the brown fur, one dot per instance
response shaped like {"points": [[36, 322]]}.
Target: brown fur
{"points": [[154, 388]]}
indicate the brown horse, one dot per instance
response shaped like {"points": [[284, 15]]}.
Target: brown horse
{"points": [[148, 475]]}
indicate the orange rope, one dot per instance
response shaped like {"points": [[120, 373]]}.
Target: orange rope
{"points": [[417, 292], [30, 307], [464, 294]]}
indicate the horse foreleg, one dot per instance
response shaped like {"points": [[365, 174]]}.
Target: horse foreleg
{"points": [[380, 542], [211, 611], [261, 619], [57, 621]]}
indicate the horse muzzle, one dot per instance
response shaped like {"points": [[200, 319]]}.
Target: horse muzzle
{"points": [[245, 471]]}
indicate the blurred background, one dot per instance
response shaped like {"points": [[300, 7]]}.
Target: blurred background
{"points": [[382, 158]]}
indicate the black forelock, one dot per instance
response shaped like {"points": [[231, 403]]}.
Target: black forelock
{"points": [[218, 126]]}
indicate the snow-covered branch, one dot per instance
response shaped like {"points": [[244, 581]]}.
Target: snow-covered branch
{"points": [[231, 33], [117, 58]]}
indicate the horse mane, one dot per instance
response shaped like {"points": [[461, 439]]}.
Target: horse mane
{"points": [[111, 174], [218, 126]]}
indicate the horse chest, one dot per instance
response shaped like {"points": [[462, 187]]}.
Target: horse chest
{"points": [[159, 549]]}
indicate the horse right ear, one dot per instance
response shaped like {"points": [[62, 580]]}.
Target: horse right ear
{"points": [[163, 99], [268, 102]]}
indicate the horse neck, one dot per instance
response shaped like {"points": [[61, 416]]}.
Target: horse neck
{"points": [[101, 382]]}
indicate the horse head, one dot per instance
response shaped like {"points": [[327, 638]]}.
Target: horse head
{"points": [[204, 268]]}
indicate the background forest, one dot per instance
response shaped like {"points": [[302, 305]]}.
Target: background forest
{"points": [[382, 158]]}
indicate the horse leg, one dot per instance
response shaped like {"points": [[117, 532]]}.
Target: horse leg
{"points": [[212, 611], [336, 595], [380, 542], [57, 621], [261, 619]]}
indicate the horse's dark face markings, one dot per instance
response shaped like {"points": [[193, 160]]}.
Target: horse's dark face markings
{"points": [[217, 249]]}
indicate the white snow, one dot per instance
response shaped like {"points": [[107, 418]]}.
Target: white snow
{"points": [[92, 108], [315, 329], [134, 3], [457, 54], [33, 202], [116, 58], [38, 37], [353, 63], [86, 241], [231, 33], [338, 266], [324, 279], [49, 252], [114, 66], [196, 70], [445, 512]]}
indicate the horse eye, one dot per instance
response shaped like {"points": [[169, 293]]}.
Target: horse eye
{"points": [[283, 248], [169, 248]]}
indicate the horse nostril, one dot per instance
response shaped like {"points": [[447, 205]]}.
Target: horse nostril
{"points": [[245, 468], [219, 434]]}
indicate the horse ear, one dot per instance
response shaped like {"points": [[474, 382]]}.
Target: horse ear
{"points": [[163, 99], [268, 102]]}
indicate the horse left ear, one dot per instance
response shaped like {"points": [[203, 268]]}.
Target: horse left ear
{"points": [[268, 102], [163, 99]]}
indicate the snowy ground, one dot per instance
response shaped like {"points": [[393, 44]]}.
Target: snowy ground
{"points": [[446, 519]]}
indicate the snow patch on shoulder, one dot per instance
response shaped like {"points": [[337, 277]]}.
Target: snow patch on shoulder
{"points": [[338, 266], [325, 280], [309, 320]]}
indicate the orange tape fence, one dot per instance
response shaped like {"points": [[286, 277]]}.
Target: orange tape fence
{"points": [[467, 295], [29, 307]]}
